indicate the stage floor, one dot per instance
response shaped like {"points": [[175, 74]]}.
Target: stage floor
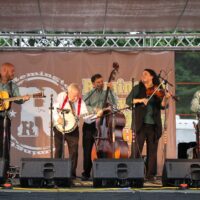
{"points": [[83, 190]]}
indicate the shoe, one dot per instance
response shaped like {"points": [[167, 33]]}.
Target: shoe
{"points": [[84, 177], [150, 178], [73, 176]]}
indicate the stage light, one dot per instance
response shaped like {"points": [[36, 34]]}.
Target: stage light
{"points": [[183, 186]]}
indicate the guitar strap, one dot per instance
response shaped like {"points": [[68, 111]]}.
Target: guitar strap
{"points": [[10, 88], [10, 92]]}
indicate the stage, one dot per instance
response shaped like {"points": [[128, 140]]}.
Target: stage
{"points": [[84, 190]]}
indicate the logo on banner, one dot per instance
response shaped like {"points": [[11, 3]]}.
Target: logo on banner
{"points": [[31, 120]]}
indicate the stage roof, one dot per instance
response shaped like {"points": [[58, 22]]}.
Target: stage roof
{"points": [[99, 15]]}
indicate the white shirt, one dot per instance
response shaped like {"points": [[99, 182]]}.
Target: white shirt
{"points": [[59, 102], [195, 103]]}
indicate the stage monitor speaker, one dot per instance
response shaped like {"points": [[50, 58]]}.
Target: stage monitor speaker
{"points": [[2, 170], [118, 172], [45, 172], [177, 171]]}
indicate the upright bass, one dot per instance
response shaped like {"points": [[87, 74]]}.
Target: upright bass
{"points": [[109, 141]]}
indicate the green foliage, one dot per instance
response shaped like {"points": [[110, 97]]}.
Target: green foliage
{"points": [[187, 69]]}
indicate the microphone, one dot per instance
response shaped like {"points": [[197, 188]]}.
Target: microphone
{"points": [[90, 94], [159, 75], [63, 110], [165, 81]]}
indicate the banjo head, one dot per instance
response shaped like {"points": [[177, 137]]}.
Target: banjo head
{"points": [[70, 123]]}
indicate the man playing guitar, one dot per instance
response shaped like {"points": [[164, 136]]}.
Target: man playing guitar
{"points": [[7, 72]]}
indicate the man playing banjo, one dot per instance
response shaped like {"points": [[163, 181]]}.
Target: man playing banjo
{"points": [[67, 108]]}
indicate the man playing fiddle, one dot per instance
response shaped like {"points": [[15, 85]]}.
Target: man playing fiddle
{"points": [[147, 122]]}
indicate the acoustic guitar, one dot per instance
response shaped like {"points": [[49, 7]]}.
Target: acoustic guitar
{"points": [[5, 99]]}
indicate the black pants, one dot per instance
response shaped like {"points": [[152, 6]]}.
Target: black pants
{"points": [[5, 138], [147, 133], [72, 142], [89, 132]]}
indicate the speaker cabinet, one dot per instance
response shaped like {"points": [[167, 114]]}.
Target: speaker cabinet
{"points": [[118, 172], [2, 170], [177, 171], [39, 172]]}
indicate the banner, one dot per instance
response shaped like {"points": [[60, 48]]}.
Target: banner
{"points": [[52, 72]]}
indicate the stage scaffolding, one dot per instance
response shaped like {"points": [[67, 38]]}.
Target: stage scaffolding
{"points": [[73, 42]]}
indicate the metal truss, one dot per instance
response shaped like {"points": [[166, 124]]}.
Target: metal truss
{"points": [[126, 42]]}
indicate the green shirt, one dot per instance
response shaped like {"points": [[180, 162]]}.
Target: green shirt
{"points": [[96, 100]]}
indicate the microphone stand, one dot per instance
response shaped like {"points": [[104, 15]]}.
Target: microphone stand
{"points": [[51, 127], [6, 143], [166, 81], [63, 112], [63, 135], [165, 127], [133, 123], [198, 135], [88, 97]]}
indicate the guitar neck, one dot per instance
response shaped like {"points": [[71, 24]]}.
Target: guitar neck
{"points": [[36, 95], [14, 98]]}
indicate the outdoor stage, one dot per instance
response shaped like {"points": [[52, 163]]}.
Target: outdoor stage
{"points": [[84, 191]]}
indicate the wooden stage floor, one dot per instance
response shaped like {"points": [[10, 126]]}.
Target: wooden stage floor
{"points": [[83, 190]]}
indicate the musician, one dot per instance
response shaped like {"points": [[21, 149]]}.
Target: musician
{"points": [[7, 72], [94, 100], [69, 100], [147, 123], [195, 107], [195, 103]]}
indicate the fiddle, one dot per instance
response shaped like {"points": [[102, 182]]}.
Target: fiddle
{"points": [[155, 90], [159, 92]]}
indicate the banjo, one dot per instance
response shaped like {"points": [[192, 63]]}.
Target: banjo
{"points": [[71, 121]]}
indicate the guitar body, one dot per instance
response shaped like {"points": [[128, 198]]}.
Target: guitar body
{"points": [[5, 99], [3, 104]]}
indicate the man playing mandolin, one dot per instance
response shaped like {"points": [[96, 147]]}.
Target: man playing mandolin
{"points": [[7, 89]]}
